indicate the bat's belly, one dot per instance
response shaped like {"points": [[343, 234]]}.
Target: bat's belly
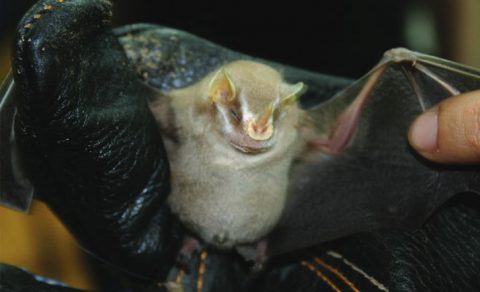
{"points": [[228, 210]]}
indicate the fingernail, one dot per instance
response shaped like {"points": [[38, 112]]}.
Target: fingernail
{"points": [[423, 135]]}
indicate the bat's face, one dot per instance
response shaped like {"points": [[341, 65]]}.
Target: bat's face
{"points": [[252, 105]]}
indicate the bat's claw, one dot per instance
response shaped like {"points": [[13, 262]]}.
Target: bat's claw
{"points": [[258, 267]]}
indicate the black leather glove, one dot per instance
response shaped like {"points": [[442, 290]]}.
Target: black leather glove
{"points": [[444, 255], [14, 280], [89, 143]]}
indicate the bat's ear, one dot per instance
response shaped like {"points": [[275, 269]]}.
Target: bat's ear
{"points": [[221, 88], [292, 93]]}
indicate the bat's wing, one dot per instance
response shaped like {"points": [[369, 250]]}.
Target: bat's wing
{"points": [[15, 190], [371, 179]]}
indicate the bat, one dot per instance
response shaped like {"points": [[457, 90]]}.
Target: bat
{"points": [[230, 140], [246, 158]]}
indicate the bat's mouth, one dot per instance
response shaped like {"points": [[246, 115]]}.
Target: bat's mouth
{"points": [[250, 149], [245, 144]]}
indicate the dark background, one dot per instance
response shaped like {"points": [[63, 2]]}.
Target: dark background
{"points": [[337, 37], [318, 35]]}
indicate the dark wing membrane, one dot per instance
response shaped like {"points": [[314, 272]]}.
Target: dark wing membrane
{"points": [[375, 180], [16, 191]]}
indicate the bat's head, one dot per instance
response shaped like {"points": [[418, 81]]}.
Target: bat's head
{"points": [[252, 105]]}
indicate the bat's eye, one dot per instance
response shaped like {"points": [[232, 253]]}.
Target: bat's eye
{"points": [[235, 115]]}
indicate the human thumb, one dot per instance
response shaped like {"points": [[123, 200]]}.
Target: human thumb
{"points": [[450, 131]]}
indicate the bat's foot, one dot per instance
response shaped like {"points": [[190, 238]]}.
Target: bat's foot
{"points": [[256, 254], [260, 256], [258, 267], [185, 255]]}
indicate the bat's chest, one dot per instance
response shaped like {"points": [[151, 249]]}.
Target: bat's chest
{"points": [[225, 204]]}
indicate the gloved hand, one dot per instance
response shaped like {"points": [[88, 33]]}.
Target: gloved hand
{"points": [[87, 138]]}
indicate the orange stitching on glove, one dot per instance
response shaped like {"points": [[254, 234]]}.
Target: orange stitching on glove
{"points": [[320, 275], [201, 270], [337, 273]]}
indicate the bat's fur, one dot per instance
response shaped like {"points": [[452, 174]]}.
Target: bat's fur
{"points": [[224, 195]]}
